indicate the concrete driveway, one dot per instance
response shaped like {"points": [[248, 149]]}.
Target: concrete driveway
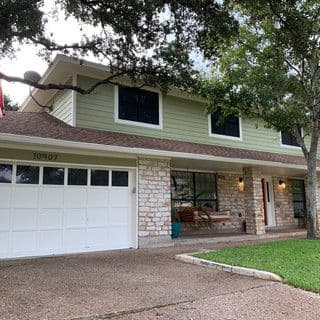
{"points": [[142, 284]]}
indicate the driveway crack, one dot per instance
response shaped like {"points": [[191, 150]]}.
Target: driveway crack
{"points": [[117, 314]]}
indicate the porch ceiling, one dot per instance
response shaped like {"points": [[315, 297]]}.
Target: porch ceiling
{"points": [[218, 166]]}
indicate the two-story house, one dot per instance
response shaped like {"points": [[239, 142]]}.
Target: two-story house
{"points": [[104, 171]]}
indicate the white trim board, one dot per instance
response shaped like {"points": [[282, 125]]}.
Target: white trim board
{"points": [[141, 151]]}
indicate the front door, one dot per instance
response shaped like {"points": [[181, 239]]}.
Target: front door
{"points": [[268, 202]]}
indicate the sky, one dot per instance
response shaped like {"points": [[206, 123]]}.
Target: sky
{"points": [[26, 57], [64, 31]]}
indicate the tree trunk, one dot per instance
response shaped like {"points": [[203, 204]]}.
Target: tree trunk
{"points": [[312, 186]]}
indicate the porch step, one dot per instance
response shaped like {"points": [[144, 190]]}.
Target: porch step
{"points": [[219, 238]]}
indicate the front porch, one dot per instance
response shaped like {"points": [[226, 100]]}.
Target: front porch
{"points": [[240, 201]]}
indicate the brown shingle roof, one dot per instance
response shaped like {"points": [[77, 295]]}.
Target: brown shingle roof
{"points": [[46, 126]]}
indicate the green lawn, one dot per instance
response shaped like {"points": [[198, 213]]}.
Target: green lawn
{"points": [[296, 261]]}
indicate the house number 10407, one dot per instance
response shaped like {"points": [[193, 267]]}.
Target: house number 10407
{"points": [[48, 156]]}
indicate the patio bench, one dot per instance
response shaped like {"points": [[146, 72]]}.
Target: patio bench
{"points": [[205, 217]]}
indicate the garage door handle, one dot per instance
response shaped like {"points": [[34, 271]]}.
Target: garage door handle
{"points": [[134, 190]]}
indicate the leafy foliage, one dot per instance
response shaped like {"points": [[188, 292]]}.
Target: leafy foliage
{"points": [[148, 40], [271, 70], [9, 105]]}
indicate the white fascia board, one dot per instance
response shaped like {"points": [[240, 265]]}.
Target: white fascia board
{"points": [[140, 151]]}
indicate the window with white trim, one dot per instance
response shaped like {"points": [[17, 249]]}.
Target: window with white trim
{"points": [[230, 126], [288, 139], [138, 106]]}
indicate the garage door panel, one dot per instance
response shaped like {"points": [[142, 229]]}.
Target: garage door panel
{"points": [[118, 195], [97, 216], [75, 218], [98, 197], [118, 237], [24, 242], [38, 220], [50, 218], [97, 237], [4, 219], [75, 197], [4, 243], [51, 197], [25, 197], [74, 239], [24, 219], [50, 240], [119, 216], [5, 194]]}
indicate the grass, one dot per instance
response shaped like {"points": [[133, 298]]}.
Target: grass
{"points": [[296, 261]]}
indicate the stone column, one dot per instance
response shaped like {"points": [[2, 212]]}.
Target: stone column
{"points": [[253, 201], [154, 202]]}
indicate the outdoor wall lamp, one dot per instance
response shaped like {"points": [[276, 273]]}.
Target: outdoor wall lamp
{"points": [[240, 184], [281, 185]]}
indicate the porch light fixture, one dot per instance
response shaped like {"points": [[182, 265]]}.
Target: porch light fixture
{"points": [[281, 185], [240, 184]]}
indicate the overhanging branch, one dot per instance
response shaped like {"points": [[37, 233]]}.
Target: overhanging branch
{"points": [[60, 86]]}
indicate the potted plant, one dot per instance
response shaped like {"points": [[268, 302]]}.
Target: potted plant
{"points": [[175, 223]]}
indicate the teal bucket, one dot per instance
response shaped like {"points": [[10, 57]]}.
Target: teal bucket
{"points": [[176, 227]]}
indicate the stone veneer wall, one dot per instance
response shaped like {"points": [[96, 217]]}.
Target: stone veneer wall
{"points": [[230, 198], [283, 204], [154, 202], [253, 201]]}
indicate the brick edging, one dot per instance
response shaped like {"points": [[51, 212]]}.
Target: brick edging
{"points": [[229, 268]]}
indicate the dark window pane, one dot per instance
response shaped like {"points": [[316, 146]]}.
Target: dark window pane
{"points": [[138, 105], [288, 139], [5, 173], [99, 178], [27, 174], [120, 179], [193, 188], [53, 175], [299, 198], [229, 127], [182, 186], [77, 177]]}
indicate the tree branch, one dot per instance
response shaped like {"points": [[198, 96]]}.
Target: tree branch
{"points": [[60, 86]]}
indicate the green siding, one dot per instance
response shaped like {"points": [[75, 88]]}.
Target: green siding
{"points": [[28, 155], [183, 120], [62, 106]]}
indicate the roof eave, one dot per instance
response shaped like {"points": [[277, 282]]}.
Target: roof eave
{"points": [[72, 145]]}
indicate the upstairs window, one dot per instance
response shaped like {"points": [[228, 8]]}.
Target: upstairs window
{"points": [[138, 106], [288, 139], [229, 127]]}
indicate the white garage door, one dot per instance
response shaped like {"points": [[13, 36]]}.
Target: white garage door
{"points": [[56, 210]]}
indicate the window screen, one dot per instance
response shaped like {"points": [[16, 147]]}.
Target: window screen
{"points": [[288, 139], [230, 126], [195, 188], [138, 105], [299, 198]]}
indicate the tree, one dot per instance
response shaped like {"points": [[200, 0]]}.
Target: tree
{"points": [[9, 105], [272, 71], [146, 40]]}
